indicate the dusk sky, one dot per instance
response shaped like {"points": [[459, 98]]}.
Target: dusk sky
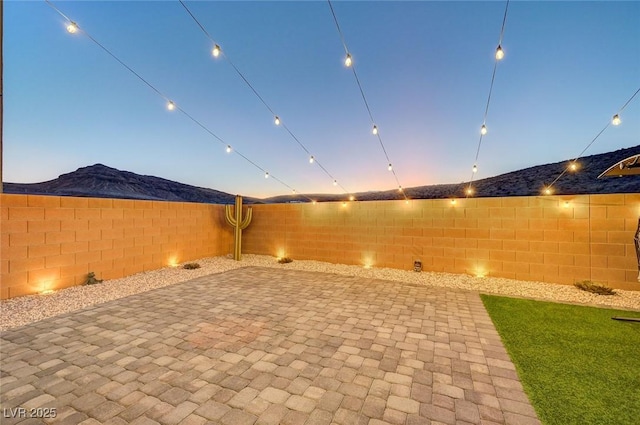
{"points": [[425, 68]]}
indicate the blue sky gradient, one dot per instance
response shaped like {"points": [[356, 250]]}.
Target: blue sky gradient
{"points": [[425, 68]]}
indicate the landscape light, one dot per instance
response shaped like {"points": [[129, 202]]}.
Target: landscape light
{"points": [[390, 167], [311, 159], [72, 28], [277, 120], [228, 148], [348, 61], [475, 168], [616, 120], [216, 51], [499, 53], [171, 106], [483, 129], [375, 130]]}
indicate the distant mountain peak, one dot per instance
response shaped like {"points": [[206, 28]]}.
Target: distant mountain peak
{"points": [[99, 180]]}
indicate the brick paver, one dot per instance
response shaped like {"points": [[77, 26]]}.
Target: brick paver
{"points": [[264, 346]]}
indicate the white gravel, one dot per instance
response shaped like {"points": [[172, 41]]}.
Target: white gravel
{"points": [[23, 310]]}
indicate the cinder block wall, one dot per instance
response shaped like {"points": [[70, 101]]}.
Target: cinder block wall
{"points": [[51, 242], [556, 239]]}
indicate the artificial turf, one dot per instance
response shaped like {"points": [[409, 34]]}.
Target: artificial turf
{"points": [[577, 365]]}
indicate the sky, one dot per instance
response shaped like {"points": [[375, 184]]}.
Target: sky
{"points": [[425, 68]]}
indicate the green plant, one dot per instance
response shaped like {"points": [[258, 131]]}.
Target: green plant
{"points": [[284, 260], [576, 364], [191, 266], [91, 279], [589, 286]]}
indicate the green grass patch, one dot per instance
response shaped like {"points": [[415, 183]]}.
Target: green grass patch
{"points": [[577, 365]]}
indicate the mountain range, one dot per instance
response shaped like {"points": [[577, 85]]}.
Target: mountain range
{"points": [[105, 182]]}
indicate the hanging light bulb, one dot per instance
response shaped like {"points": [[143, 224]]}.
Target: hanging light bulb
{"points": [[399, 188], [311, 159], [72, 28], [573, 166], [616, 120], [335, 182], [348, 61], [475, 168], [277, 120], [375, 130], [390, 167], [499, 52], [228, 148], [266, 175], [294, 191], [352, 198], [171, 106], [469, 191], [547, 191], [453, 202], [483, 129], [216, 51]]}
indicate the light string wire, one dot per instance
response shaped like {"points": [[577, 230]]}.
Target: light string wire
{"points": [[573, 161], [364, 99], [264, 102], [166, 98], [486, 109]]}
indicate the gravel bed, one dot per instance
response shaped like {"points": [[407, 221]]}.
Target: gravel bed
{"points": [[23, 310]]}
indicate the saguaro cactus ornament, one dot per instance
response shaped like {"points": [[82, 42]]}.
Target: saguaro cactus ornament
{"points": [[238, 224]]}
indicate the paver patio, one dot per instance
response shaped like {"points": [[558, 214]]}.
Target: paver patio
{"points": [[265, 346]]}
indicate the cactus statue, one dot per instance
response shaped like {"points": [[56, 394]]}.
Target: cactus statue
{"points": [[238, 224]]}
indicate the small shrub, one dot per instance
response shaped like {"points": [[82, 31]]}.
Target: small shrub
{"points": [[91, 279], [589, 286], [284, 260], [191, 266]]}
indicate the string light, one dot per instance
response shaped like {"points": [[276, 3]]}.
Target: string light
{"points": [[499, 53], [335, 182], [228, 148], [400, 189], [277, 120], [72, 28], [573, 166], [311, 159], [348, 61], [474, 169], [469, 191], [548, 191], [453, 202], [483, 129], [352, 198], [266, 175], [216, 51], [170, 105], [390, 167], [616, 120]]}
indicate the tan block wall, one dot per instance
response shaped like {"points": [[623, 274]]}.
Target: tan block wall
{"points": [[557, 239], [51, 242]]}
